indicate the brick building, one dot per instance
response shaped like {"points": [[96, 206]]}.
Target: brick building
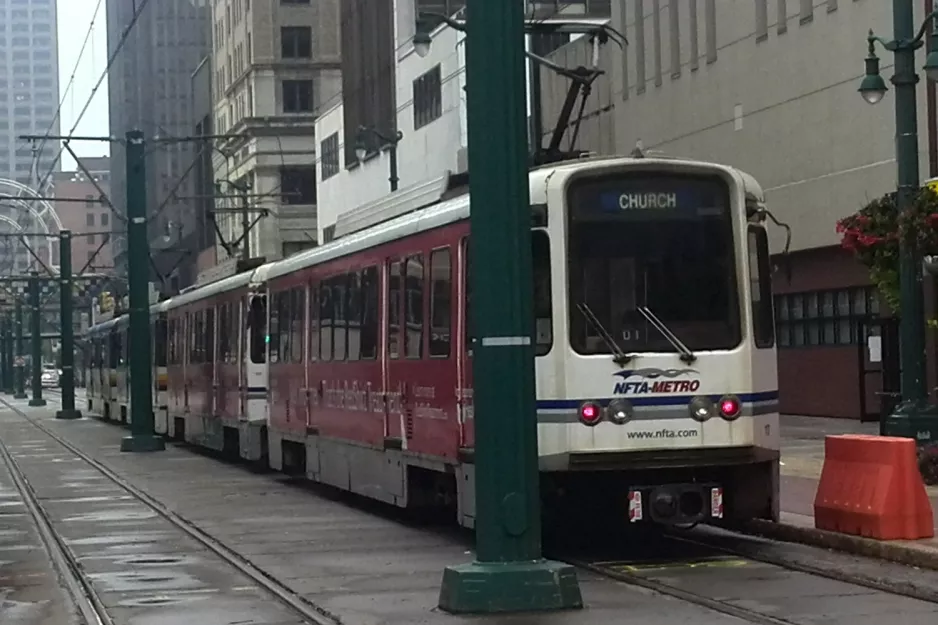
{"points": [[91, 222]]}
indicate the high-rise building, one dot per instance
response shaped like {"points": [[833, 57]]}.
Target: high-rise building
{"points": [[29, 85], [274, 66], [149, 87]]}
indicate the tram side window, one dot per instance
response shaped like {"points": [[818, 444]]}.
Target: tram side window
{"points": [[224, 340], [209, 352], [325, 320], [190, 338], [159, 345], [543, 317], [258, 326], [760, 286], [313, 322], [231, 332], [298, 314], [413, 306], [275, 331], [394, 310], [354, 316], [339, 317], [441, 311], [370, 303]]}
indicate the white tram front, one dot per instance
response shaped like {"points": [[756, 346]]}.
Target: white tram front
{"points": [[656, 368]]}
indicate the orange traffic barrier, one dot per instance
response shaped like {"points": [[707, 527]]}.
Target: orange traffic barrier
{"points": [[871, 486]]}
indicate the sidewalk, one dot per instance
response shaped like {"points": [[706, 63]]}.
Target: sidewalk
{"points": [[802, 461]]}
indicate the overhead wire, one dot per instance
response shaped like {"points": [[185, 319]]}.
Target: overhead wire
{"points": [[71, 80], [110, 62]]}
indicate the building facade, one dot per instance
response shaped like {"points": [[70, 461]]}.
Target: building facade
{"points": [[29, 84], [91, 223], [274, 66], [387, 87], [770, 86], [149, 89]]}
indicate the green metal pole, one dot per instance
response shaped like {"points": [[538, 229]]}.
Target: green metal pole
{"points": [[19, 370], [67, 344], [8, 380], [141, 436], [35, 331], [913, 417], [4, 346], [509, 573]]}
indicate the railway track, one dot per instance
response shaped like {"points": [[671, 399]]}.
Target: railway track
{"points": [[686, 557], [709, 552], [80, 587]]}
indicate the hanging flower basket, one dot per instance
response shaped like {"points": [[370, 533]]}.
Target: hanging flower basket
{"points": [[875, 232]]}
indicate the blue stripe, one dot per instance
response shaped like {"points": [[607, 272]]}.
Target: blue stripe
{"points": [[670, 400]]}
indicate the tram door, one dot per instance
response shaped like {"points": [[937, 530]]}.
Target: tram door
{"points": [[464, 353]]}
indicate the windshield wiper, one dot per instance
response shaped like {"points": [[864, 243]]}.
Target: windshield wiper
{"points": [[687, 356], [618, 356]]}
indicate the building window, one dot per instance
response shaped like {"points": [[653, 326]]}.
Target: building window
{"points": [[428, 101], [91, 239], [297, 96], [298, 184], [823, 317], [329, 149], [90, 203], [104, 219], [89, 219], [296, 42]]}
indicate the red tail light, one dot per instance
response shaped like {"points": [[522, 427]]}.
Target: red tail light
{"points": [[729, 407], [591, 413]]}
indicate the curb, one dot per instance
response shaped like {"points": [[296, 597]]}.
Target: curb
{"points": [[899, 552]]}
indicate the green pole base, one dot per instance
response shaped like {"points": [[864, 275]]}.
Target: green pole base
{"points": [[913, 419], [142, 443], [22, 395], [68, 414], [36, 402], [489, 587]]}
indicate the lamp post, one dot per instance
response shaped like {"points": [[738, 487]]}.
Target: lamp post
{"points": [[913, 417], [389, 140], [509, 573]]}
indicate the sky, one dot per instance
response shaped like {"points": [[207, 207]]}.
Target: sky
{"points": [[74, 21]]}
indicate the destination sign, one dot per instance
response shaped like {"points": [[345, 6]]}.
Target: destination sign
{"points": [[673, 197], [631, 201]]}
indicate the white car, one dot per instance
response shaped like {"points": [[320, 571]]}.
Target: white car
{"points": [[50, 376]]}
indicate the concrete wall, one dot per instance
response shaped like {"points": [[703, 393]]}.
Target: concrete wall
{"points": [[776, 97], [423, 154]]}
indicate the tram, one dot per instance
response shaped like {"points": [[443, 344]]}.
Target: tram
{"points": [[655, 360]]}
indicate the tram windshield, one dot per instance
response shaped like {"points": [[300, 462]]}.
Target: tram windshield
{"points": [[664, 242]]}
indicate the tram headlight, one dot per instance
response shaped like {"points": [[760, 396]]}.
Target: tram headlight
{"points": [[701, 408], [730, 408], [619, 411]]}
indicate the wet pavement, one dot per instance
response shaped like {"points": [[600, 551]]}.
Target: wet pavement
{"points": [[143, 569], [354, 561]]}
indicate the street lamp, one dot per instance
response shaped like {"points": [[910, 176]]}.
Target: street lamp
{"points": [[388, 140], [913, 417], [422, 42], [509, 573]]}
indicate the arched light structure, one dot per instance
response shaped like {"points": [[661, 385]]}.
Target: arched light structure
{"points": [[42, 220]]}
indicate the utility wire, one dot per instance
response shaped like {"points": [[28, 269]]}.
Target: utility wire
{"points": [[113, 57], [71, 80]]}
